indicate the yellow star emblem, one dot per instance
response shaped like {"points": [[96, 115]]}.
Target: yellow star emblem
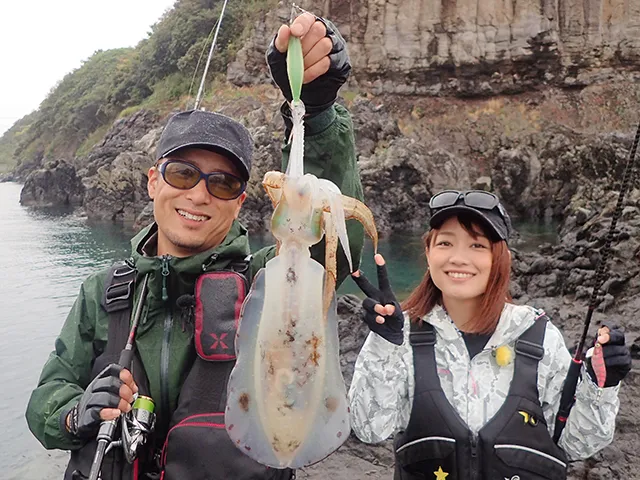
{"points": [[440, 474]]}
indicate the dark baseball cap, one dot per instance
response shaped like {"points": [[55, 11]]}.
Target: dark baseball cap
{"points": [[482, 206], [209, 131]]}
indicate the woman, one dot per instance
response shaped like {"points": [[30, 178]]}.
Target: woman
{"points": [[467, 381]]}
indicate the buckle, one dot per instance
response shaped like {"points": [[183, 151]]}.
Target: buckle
{"points": [[529, 349], [418, 339], [123, 271], [118, 291]]}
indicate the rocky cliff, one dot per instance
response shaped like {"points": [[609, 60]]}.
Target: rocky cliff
{"points": [[470, 47]]}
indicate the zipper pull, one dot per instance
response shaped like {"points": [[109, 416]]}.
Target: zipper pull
{"points": [[165, 274], [474, 446]]}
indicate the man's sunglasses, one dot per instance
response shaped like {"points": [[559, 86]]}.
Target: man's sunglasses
{"points": [[471, 198], [185, 176]]}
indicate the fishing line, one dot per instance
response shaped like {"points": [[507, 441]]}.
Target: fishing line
{"points": [[206, 68], [204, 47]]}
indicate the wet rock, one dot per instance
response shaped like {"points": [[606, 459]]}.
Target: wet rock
{"points": [[115, 171], [56, 184]]}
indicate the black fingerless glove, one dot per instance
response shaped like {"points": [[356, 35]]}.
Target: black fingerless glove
{"points": [[392, 328], [322, 92], [102, 392], [617, 359]]}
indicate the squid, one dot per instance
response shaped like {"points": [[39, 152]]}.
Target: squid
{"points": [[286, 398]]}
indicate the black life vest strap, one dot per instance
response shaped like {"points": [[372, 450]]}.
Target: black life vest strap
{"points": [[422, 337], [119, 287], [117, 301], [529, 349]]}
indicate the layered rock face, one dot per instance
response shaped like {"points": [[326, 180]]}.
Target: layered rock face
{"points": [[469, 47]]}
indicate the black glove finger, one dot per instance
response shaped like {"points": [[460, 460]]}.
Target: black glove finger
{"points": [[366, 286], [369, 304], [609, 351], [111, 370], [100, 400], [618, 361], [339, 61], [89, 422], [338, 43], [110, 385], [114, 369], [616, 337], [383, 283], [610, 326]]}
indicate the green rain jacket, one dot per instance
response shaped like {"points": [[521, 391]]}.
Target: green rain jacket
{"points": [[165, 347]]}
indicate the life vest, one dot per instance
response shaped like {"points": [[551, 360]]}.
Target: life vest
{"points": [[197, 446], [514, 445]]}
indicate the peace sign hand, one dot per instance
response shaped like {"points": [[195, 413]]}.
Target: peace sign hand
{"points": [[382, 313]]}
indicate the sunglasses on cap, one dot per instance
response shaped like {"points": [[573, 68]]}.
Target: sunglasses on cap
{"points": [[471, 198], [485, 204], [184, 176]]}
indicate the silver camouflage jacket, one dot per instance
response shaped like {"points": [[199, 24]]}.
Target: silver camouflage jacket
{"points": [[381, 393]]}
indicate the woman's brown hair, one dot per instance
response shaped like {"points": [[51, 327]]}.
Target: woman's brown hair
{"points": [[426, 295]]}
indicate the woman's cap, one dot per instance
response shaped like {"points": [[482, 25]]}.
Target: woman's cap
{"points": [[481, 205]]}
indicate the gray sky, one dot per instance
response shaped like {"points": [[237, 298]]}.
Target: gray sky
{"points": [[43, 40]]}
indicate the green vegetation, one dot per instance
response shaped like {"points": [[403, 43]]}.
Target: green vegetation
{"points": [[157, 74], [9, 141]]}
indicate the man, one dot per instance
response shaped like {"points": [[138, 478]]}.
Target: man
{"points": [[197, 187]]}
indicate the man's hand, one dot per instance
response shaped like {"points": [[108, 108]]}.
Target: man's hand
{"points": [[316, 46], [107, 396], [326, 61], [382, 313]]}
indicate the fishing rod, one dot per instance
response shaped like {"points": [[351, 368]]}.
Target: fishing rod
{"points": [[108, 427], [206, 67], [195, 70], [568, 391]]}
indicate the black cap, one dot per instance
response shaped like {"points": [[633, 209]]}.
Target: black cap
{"points": [[496, 220], [210, 131]]}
